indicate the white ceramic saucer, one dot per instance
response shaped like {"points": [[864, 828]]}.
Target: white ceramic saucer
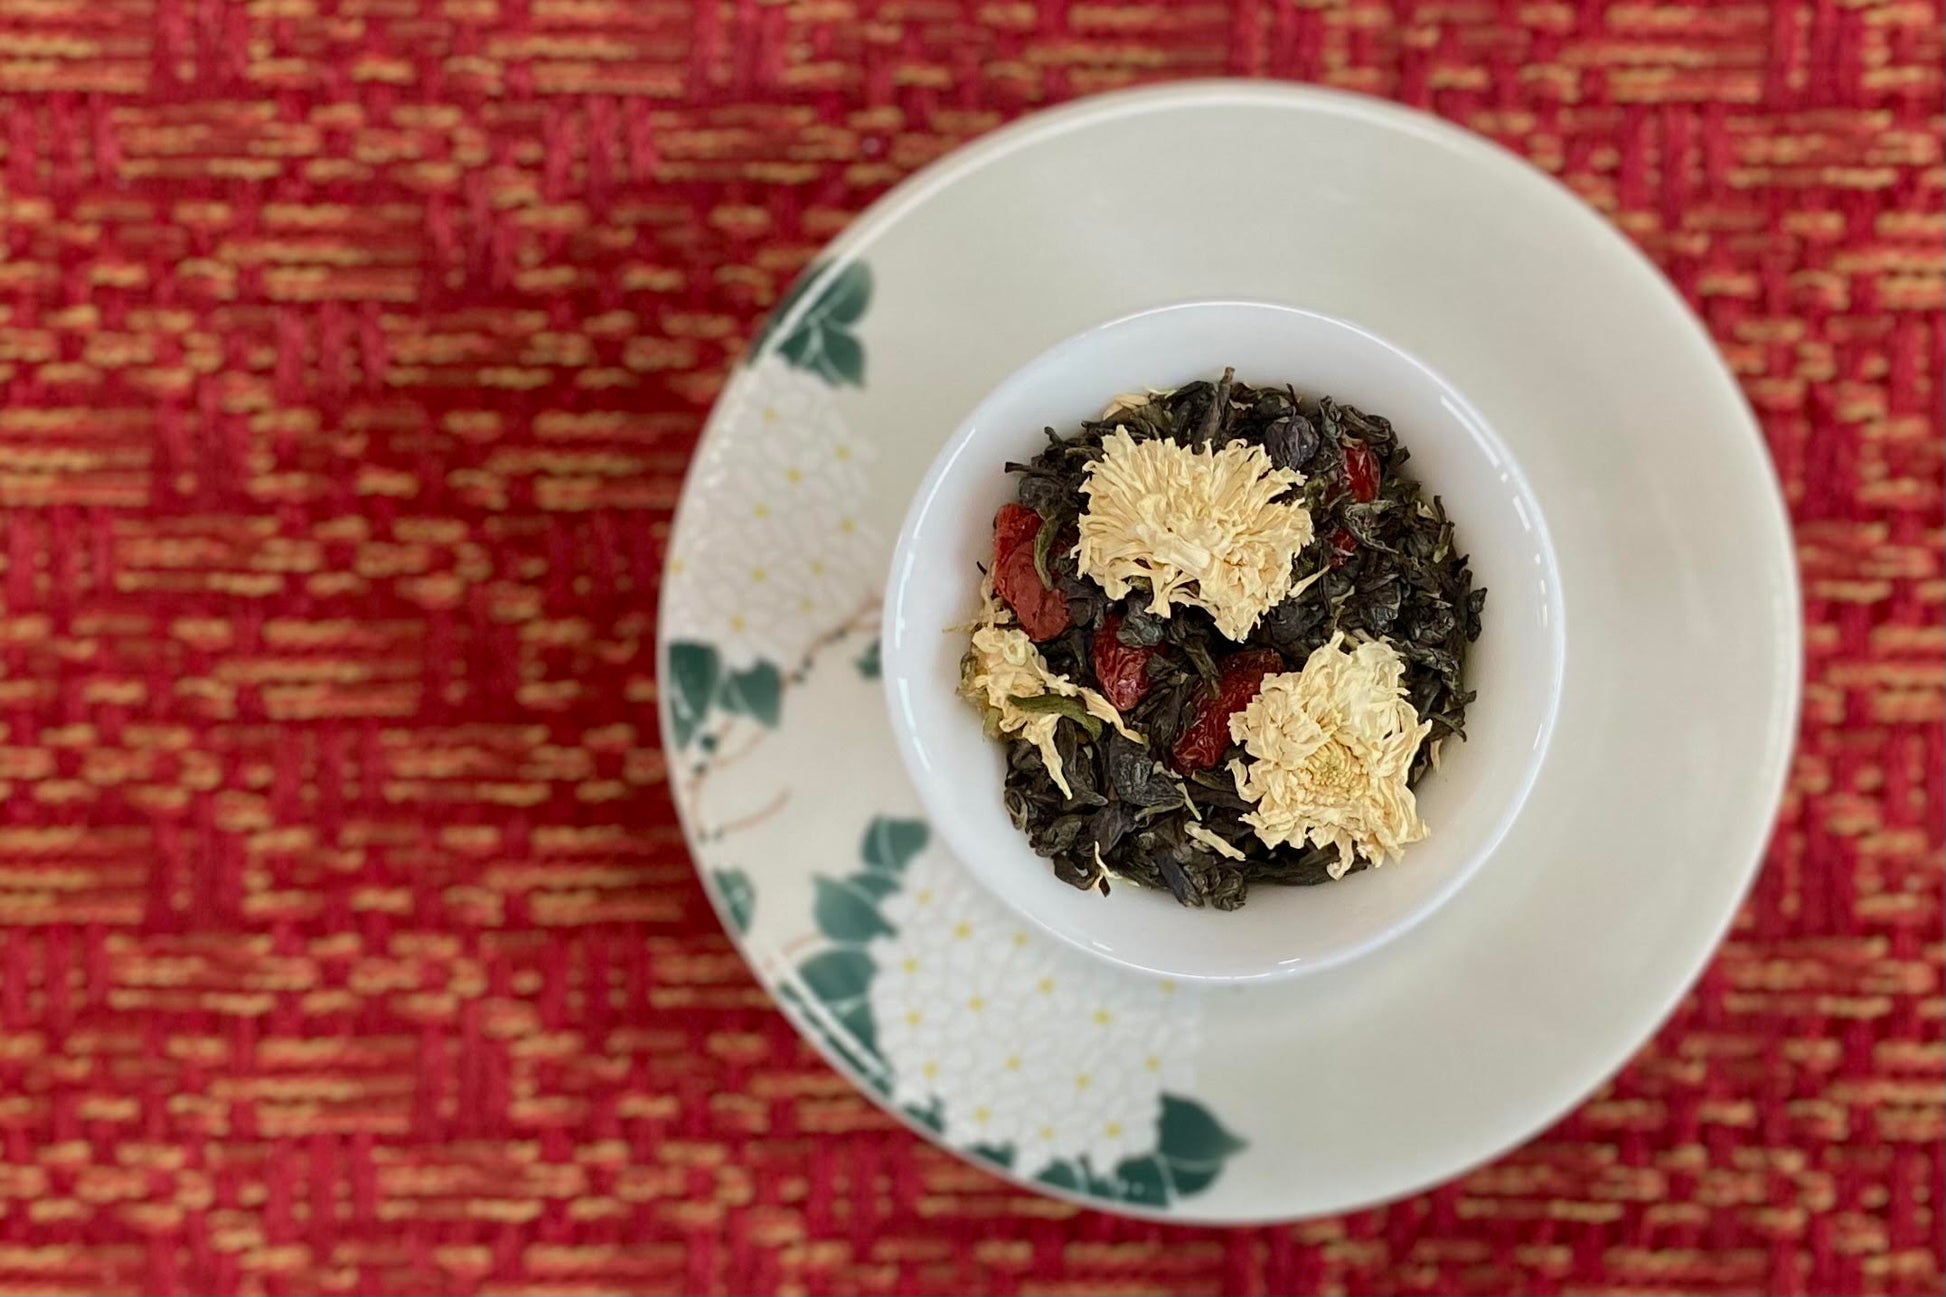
{"points": [[1396, 1069]]}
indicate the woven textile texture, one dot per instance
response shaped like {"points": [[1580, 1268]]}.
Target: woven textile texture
{"points": [[352, 352]]}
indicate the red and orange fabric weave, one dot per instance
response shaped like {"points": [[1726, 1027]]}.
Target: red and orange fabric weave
{"points": [[352, 352]]}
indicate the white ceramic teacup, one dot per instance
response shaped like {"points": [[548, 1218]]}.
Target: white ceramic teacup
{"points": [[932, 595]]}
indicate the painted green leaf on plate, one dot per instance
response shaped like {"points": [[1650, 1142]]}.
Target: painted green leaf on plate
{"points": [[844, 302], [856, 1018], [874, 884], [1190, 1134], [836, 976], [739, 897], [1063, 1175], [798, 286], [1193, 1144], [820, 339], [1141, 1180], [841, 979], [890, 843], [846, 914], [1193, 1178], [838, 358], [693, 672], [847, 1030], [757, 691], [868, 663]]}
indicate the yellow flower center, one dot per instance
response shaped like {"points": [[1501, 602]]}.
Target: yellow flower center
{"points": [[1333, 771]]}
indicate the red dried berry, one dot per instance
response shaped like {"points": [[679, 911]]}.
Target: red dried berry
{"points": [[1013, 526], [1206, 737], [1343, 546], [1122, 671], [1041, 611], [1361, 471]]}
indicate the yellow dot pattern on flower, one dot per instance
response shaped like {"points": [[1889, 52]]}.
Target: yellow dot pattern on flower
{"points": [[980, 1020], [777, 508]]}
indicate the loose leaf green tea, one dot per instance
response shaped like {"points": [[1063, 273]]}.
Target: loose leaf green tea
{"points": [[1285, 520]]}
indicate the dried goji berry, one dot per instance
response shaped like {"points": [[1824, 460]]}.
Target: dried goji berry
{"points": [[1122, 671], [1204, 740], [1361, 471], [1014, 525], [1343, 546], [1041, 611]]}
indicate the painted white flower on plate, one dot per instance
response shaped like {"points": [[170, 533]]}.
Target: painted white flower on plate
{"points": [[1021, 1043], [775, 547]]}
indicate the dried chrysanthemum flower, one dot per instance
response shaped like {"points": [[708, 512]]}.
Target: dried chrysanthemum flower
{"points": [[1003, 671], [1134, 401], [1200, 834], [1330, 747], [1203, 527]]}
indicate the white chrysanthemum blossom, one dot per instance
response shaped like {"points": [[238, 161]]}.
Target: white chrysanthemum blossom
{"points": [[789, 551], [1202, 527], [1134, 401], [1021, 1044], [1212, 841], [1330, 747], [1002, 666]]}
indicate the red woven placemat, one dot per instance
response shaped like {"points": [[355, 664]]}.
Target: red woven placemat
{"points": [[352, 352]]}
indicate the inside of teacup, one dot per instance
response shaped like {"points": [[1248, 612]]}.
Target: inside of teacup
{"points": [[1514, 666]]}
